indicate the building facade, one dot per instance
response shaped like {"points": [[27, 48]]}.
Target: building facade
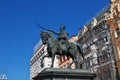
{"points": [[35, 62], [98, 50], [98, 40]]}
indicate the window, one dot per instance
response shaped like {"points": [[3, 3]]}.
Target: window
{"points": [[118, 31], [105, 39]]}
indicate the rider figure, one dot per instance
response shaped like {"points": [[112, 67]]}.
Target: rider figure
{"points": [[62, 37]]}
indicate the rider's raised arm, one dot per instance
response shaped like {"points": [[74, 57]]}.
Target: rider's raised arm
{"points": [[57, 33]]}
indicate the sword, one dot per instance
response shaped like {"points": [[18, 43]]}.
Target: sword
{"points": [[43, 27]]}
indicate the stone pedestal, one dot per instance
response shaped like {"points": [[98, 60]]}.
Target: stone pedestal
{"points": [[64, 74]]}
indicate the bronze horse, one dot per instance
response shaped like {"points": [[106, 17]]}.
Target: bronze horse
{"points": [[74, 51]]}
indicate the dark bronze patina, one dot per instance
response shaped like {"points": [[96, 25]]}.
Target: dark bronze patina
{"points": [[61, 46]]}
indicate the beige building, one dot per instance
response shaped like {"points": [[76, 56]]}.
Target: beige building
{"points": [[114, 25]]}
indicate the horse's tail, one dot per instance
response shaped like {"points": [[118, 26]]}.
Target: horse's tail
{"points": [[80, 50]]}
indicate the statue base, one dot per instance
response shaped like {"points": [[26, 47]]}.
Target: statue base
{"points": [[64, 74]]}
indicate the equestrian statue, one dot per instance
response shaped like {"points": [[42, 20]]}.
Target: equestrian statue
{"points": [[61, 46]]}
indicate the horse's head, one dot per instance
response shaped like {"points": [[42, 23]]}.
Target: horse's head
{"points": [[44, 36]]}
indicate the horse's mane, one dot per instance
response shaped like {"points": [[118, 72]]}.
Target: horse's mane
{"points": [[50, 35]]}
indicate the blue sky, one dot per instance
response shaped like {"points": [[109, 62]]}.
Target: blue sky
{"points": [[19, 32]]}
